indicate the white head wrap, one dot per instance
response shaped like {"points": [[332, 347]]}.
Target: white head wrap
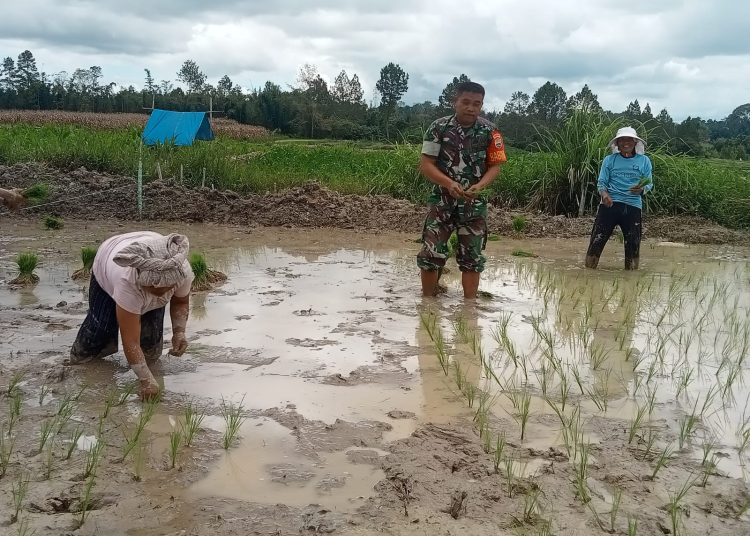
{"points": [[640, 144], [160, 262]]}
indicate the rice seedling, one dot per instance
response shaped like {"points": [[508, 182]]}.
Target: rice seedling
{"points": [[687, 426], [205, 278], [175, 438], [710, 467], [470, 393], [632, 526], [544, 376], [636, 423], [597, 356], [661, 461], [93, 457], [600, 393], [88, 254], [685, 379], [497, 454], [233, 417], [193, 418], [75, 436], [7, 444], [531, 504], [14, 384], [522, 415], [509, 469], [147, 412], [581, 473], [14, 409], [460, 376], [139, 459], [616, 498], [19, 490], [675, 506], [53, 223], [85, 500], [27, 263], [577, 377], [46, 431], [519, 224], [49, 458]]}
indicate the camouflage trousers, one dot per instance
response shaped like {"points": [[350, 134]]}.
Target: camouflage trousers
{"points": [[469, 220]]}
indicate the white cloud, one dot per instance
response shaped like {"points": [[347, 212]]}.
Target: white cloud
{"points": [[686, 55]]}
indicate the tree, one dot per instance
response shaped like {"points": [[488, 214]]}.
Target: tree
{"points": [[26, 73], [347, 90], [585, 100], [518, 103], [224, 86], [646, 115], [738, 122], [149, 86], [633, 111], [548, 103], [392, 85], [191, 75], [7, 74], [446, 98]]}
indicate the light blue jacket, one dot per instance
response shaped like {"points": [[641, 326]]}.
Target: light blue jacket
{"points": [[618, 174]]}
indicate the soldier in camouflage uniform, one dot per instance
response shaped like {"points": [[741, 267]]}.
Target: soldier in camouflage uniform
{"points": [[461, 155]]}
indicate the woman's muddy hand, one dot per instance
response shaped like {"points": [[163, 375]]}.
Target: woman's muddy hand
{"points": [[149, 390], [179, 344]]}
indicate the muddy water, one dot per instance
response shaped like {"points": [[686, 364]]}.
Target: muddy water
{"points": [[326, 324]]}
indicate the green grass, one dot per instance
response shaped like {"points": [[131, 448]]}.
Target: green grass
{"points": [[716, 189], [53, 222]]}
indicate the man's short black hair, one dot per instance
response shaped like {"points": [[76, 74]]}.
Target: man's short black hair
{"points": [[469, 87]]}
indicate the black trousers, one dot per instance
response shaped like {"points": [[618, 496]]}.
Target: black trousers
{"points": [[98, 336], [629, 220]]}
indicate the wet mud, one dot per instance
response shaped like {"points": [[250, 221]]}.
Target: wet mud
{"points": [[350, 423]]}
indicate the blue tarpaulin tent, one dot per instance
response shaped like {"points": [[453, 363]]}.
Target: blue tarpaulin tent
{"points": [[180, 128]]}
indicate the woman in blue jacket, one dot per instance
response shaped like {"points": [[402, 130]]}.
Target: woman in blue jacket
{"points": [[624, 179]]}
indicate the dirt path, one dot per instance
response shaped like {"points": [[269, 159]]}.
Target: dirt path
{"points": [[99, 196]]}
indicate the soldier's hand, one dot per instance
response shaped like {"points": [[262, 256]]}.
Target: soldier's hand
{"points": [[473, 191], [456, 191]]}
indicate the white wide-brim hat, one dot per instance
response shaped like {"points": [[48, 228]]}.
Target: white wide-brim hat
{"points": [[629, 132]]}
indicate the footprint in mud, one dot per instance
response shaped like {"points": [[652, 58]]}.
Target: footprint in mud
{"points": [[307, 312], [287, 472], [311, 343], [57, 326]]}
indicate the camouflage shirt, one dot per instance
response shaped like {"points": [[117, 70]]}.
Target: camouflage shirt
{"points": [[463, 153]]}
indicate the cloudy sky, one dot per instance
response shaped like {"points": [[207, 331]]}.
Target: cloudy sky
{"points": [[690, 56]]}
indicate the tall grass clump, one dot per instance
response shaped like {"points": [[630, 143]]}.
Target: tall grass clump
{"points": [[205, 278], [580, 145], [27, 263], [88, 253]]}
